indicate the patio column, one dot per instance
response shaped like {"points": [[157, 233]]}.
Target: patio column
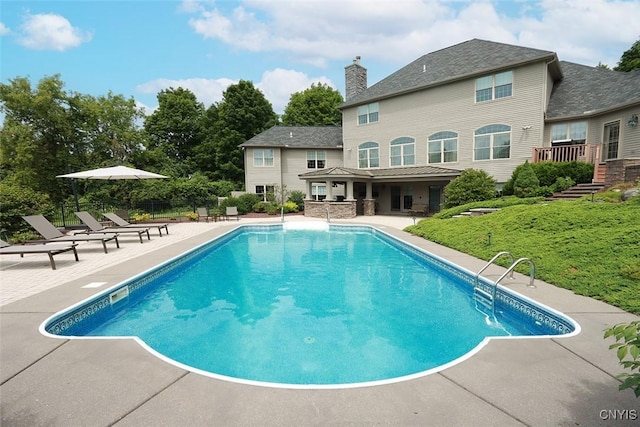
{"points": [[369, 190], [349, 185], [329, 186], [309, 184]]}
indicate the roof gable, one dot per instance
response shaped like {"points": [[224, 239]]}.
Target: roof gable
{"points": [[298, 137], [591, 90], [464, 60]]}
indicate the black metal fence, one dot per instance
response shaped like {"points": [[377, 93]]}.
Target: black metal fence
{"points": [[157, 210]]}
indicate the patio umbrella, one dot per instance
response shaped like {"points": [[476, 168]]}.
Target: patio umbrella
{"points": [[115, 172], [112, 173]]}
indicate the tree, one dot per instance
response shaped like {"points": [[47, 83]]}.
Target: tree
{"points": [[473, 185], [630, 59], [316, 106], [627, 346], [527, 183], [176, 127], [243, 113]]}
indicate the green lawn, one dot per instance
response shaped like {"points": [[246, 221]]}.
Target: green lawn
{"points": [[590, 248]]}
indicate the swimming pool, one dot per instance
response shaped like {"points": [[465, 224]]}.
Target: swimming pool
{"points": [[269, 320]]}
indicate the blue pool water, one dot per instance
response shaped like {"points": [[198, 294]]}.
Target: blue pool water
{"points": [[350, 305]]}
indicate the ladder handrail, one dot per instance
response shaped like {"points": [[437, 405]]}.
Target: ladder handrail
{"points": [[499, 254], [532, 272]]}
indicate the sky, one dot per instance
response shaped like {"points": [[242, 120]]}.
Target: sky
{"points": [[138, 48]]}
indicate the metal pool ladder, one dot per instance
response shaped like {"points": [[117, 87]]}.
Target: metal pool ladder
{"points": [[487, 298]]}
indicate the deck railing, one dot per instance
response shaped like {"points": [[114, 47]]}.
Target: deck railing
{"points": [[588, 153]]}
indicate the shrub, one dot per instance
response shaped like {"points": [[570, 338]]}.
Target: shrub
{"points": [[549, 172], [244, 203], [627, 346], [141, 217], [562, 183], [527, 183], [18, 201], [273, 209], [472, 185], [290, 207], [297, 197], [261, 207], [192, 216]]}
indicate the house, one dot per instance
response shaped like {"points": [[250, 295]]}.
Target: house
{"points": [[478, 104]]}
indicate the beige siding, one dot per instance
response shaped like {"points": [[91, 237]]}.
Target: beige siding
{"points": [[288, 163], [453, 108], [629, 146]]}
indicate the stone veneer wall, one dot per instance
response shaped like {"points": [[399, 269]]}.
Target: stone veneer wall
{"points": [[623, 170], [337, 210], [369, 207]]}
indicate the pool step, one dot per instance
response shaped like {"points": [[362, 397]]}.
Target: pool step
{"points": [[483, 297]]}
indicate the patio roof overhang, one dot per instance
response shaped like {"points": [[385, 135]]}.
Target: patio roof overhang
{"points": [[414, 173]]}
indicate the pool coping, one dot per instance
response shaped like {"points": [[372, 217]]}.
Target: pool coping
{"points": [[92, 382]]}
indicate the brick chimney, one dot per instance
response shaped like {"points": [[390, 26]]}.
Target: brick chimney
{"points": [[355, 79]]}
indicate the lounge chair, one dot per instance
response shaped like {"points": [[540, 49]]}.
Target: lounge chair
{"points": [[51, 234], [203, 213], [95, 227], [120, 222], [50, 249], [232, 211]]}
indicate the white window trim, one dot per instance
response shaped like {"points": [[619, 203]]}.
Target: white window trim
{"points": [[263, 158], [368, 151], [491, 147], [402, 146], [315, 158], [371, 109], [493, 87]]}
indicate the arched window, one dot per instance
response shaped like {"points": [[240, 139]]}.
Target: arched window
{"points": [[368, 155], [492, 142], [403, 151], [443, 147]]}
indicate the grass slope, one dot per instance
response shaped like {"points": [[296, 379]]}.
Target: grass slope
{"points": [[592, 249]]}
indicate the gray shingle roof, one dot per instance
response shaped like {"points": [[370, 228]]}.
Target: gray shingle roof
{"points": [[464, 60], [591, 90], [298, 137]]}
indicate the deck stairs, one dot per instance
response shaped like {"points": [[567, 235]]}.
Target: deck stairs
{"points": [[577, 191]]}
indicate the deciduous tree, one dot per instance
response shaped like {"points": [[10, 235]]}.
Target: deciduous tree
{"points": [[315, 106]]}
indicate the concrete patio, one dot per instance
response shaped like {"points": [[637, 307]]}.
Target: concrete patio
{"points": [[61, 382]]}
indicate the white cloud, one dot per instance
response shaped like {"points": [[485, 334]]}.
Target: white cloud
{"points": [[50, 32], [207, 91], [4, 30], [317, 32], [276, 85]]}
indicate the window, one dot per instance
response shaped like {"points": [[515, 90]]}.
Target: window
{"points": [[265, 191], [368, 155], [368, 113], [403, 151], [262, 157], [611, 138], [443, 147], [316, 159], [318, 191], [492, 142], [575, 131], [493, 87]]}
